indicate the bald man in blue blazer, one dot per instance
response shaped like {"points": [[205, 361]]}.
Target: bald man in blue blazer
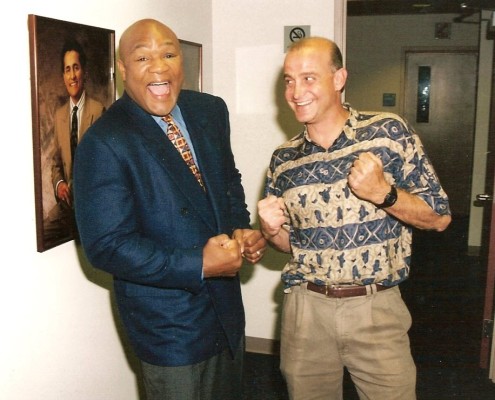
{"points": [[173, 247]]}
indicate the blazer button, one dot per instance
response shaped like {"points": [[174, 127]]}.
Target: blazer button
{"points": [[184, 211]]}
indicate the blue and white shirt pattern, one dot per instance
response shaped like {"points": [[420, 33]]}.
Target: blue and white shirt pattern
{"points": [[336, 238]]}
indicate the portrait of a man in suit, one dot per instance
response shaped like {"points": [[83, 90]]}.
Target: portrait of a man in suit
{"points": [[72, 119], [72, 68]]}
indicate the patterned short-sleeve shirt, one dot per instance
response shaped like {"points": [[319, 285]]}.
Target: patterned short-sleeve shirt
{"points": [[335, 237]]}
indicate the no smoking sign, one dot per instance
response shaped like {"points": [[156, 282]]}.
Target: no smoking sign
{"points": [[294, 33]]}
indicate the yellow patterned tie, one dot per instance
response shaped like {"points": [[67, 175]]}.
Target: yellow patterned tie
{"points": [[180, 143]]}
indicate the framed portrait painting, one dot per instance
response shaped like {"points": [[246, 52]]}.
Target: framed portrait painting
{"points": [[193, 61], [72, 84]]}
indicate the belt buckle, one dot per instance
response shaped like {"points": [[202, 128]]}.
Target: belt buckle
{"points": [[340, 290], [329, 289], [333, 288]]}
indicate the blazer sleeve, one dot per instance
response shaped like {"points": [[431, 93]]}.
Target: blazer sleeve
{"points": [[110, 228]]}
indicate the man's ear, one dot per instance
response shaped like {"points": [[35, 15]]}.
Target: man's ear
{"points": [[121, 67], [339, 79]]}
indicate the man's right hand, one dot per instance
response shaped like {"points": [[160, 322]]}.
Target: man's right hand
{"points": [[221, 257], [273, 218], [273, 214], [63, 193]]}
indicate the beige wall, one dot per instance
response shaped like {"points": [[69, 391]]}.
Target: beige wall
{"points": [[58, 338], [374, 50]]}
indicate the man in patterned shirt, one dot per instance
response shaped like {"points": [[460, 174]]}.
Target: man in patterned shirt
{"points": [[342, 198]]}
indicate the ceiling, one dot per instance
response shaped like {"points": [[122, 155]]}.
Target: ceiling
{"points": [[391, 7]]}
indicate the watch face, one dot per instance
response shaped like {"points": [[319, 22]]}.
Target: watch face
{"points": [[390, 198]]}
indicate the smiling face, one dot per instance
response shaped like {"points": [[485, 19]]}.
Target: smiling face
{"points": [[151, 66], [312, 84], [73, 75]]}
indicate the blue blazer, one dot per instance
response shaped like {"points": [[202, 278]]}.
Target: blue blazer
{"points": [[143, 218]]}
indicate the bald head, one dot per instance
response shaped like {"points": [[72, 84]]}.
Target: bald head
{"points": [[142, 29], [320, 45]]}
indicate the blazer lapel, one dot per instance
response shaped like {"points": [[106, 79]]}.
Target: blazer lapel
{"points": [[165, 153], [204, 148]]}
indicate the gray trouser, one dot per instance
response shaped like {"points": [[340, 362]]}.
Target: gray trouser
{"points": [[219, 377]]}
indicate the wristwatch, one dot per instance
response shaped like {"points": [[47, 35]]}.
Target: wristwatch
{"points": [[390, 198]]}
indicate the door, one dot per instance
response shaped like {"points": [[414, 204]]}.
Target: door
{"points": [[485, 200], [440, 86], [488, 254]]}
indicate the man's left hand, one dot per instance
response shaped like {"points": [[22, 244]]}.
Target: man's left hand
{"points": [[366, 179], [252, 242]]}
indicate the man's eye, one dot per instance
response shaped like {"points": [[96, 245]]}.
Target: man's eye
{"points": [[170, 55]]}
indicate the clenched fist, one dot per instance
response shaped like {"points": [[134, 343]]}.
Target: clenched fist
{"points": [[221, 257]]}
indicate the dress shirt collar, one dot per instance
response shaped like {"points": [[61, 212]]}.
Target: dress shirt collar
{"points": [[80, 103]]}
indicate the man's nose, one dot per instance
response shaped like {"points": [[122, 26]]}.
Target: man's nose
{"points": [[159, 65], [297, 90]]}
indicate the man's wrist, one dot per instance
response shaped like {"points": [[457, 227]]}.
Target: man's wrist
{"points": [[390, 198]]}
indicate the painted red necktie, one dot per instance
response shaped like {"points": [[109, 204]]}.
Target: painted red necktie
{"points": [[180, 143]]}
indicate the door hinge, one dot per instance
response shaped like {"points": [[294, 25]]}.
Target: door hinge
{"points": [[487, 328]]}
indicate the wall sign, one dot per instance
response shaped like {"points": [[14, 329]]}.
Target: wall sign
{"points": [[388, 100], [294, 33]]}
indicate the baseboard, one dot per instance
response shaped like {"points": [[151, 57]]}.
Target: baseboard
{"points": [[263, 346]]}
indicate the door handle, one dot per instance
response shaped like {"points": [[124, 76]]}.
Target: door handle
{"points": [[482, 200]]}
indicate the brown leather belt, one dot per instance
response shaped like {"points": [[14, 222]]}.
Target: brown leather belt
{"points": [[345, 290]]}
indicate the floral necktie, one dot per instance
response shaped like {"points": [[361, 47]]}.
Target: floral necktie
{"points": [[180, 143]]}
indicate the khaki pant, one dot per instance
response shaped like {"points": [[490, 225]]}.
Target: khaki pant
{"points": [[365, 334]]}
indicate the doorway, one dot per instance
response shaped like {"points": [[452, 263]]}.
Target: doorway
{"points": [[442, 268], [444, 116]]}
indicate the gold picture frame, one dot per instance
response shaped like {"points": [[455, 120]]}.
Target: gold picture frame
{"points": [[47, 38]]}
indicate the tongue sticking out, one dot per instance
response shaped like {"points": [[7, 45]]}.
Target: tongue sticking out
{"points": [[159, 90]]}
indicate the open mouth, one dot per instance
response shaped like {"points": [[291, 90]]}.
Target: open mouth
{"points": [[303, 103], [159, 88]]}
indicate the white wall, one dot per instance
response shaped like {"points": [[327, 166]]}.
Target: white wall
{"points": [[247, 60], [58, 338]]}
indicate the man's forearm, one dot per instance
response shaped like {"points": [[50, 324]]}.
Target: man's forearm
{"points": [[413, 210]]}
